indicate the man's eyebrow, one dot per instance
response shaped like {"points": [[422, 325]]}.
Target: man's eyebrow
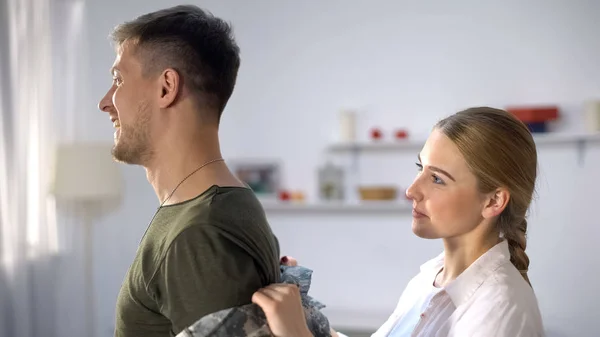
{"points": [[437, 169]]}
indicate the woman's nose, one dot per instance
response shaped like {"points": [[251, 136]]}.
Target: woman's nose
{"points": [[413, 192]]}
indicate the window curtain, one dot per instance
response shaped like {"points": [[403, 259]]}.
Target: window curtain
{"points": [[40, 51]]}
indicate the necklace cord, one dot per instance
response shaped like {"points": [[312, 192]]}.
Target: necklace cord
{"points": [[173, 192], [189, 175]]}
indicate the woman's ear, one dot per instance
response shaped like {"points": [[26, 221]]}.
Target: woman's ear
{"points": [[496, 202]]}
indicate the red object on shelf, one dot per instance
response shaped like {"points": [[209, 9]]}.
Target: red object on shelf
{"points": [[284, 195], [376, 134], [534, 114], [401, 134]]}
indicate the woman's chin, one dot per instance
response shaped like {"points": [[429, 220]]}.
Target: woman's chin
{"points": [[423, 230]]}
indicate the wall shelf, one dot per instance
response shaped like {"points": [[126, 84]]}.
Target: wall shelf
{"points": [[399, 206], [410, 144], [566, 138], [580, 140], [339, 207]]}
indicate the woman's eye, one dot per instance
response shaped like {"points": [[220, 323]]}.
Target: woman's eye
{"points": [[437, 180]]}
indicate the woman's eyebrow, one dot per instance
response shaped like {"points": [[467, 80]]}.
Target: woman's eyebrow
{"points": [[437, 169]]}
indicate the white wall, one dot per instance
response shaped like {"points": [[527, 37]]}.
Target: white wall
{"points": [[406, 64]]}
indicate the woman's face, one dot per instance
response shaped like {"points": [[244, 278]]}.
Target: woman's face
{"points": [[446, 200]]}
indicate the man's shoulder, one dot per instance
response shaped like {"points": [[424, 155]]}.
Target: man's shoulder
{"points": [[240, 215], [229, 221], [231, 214], [227, 206], [235, 211], [236, 205]]}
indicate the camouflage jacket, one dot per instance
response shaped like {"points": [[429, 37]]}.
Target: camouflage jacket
{"points": [[249, 320]]}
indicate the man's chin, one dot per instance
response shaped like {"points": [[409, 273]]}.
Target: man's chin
{"points": [[130, 155], [121, 155]]}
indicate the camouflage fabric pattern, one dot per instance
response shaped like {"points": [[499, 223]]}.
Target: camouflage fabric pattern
{"points": [[249, 320]]}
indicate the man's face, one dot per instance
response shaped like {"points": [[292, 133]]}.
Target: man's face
{"points": [[129, 105]]}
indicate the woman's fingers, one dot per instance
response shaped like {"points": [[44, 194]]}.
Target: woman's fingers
{"points": [[289, 261], [261, 298], [282, 306], [274, 294]]}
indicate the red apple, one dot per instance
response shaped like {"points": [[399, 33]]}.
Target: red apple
{"points": [[401, 134], [284, 195], [376, 133]]}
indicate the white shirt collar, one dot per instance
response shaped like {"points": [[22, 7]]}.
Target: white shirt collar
{"points": [[465, 285]]}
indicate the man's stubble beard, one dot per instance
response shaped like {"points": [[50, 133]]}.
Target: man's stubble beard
{"points": [[133, 144]]}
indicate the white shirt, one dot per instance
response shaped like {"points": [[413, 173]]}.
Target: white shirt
{"points": [[409, 320], [490, 298]]}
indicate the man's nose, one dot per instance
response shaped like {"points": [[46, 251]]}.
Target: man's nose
{"points": [[106, 103]]}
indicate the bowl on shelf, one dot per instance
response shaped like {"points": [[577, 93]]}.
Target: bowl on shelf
{"points": [[378, 192]]}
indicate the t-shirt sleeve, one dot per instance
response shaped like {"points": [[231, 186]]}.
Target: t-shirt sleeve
{"points": [[203, 272]]}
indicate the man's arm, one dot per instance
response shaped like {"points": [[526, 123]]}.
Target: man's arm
{"points": [[203, 272]]}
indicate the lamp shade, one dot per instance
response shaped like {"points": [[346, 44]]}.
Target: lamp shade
{"points": [[85, 171]]}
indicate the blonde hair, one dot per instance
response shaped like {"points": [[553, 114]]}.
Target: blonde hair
{"points": [[500, 150]]}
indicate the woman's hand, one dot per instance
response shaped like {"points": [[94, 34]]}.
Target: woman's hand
{"points": [[283, 308], [289, 261]]}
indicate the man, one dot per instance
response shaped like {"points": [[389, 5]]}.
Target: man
{"points": [[209, 246]]}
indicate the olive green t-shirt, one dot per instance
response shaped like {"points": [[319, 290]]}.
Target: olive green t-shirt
{"points": [[197, 257]]}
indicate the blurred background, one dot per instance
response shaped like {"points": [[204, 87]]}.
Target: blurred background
{"points": [[333, 102]]}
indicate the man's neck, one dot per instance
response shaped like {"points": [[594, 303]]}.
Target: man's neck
{"points": [[190, 162]]}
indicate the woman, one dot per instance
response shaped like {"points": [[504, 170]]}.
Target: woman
{"points": [[477, 173]]}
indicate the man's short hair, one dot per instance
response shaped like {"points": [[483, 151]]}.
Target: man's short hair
{"points": [[198, 45]]}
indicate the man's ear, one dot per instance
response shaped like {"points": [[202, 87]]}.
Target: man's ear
{"points": [[169, 86], [495, 203]]}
